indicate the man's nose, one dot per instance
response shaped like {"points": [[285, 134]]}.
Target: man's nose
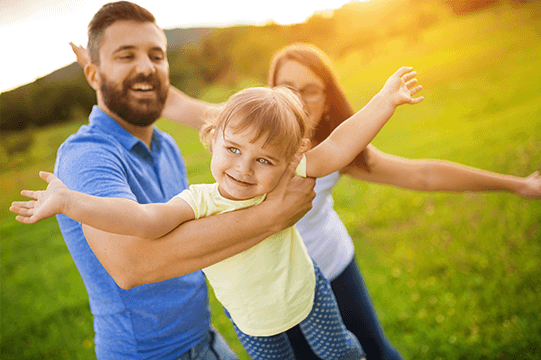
{"points": [[145, 65]]}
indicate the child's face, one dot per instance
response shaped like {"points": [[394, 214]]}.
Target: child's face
{"points": [[242, 169]]}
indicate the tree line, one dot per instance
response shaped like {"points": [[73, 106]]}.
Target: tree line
{"points": [[200, 57]]}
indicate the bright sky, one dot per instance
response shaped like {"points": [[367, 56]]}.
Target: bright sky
{"points": [[34, 34]]}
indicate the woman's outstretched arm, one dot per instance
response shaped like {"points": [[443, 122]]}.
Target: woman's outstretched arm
{"points": [[440, 175], [186, 110]]}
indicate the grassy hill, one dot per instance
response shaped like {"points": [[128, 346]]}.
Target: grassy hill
{"points": [[453, 276]]}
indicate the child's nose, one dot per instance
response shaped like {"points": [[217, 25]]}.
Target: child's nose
{"points": [[245, 167]]}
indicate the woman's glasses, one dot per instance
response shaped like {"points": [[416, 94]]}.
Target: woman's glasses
{"points": [[311, 93]]}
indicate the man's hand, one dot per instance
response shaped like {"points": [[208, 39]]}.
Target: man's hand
{"points": [[400, 87], [48, 202], [292, 198]]}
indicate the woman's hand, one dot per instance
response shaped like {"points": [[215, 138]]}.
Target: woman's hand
{"points": [[81, 53], [48, 202], [400, 87], [531, 187]]}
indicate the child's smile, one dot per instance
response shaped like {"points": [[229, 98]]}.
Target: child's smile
{"points": [[239, 182], [242, 168]]}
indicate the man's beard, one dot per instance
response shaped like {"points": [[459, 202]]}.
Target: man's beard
{"points": [[139, 112]]}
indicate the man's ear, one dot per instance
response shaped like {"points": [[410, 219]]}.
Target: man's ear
{"points": [[92, 76]]}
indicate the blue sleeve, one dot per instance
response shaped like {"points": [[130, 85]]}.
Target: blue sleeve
{"points": [[93, 165]]}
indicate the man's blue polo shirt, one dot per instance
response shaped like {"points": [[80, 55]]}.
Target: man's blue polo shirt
{"points": [[154, 321]]}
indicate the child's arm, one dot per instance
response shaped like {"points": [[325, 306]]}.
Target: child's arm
{"points": [[354, 134], [119, 216]]}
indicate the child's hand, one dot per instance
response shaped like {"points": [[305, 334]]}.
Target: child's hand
{"points": [[81, 53], [532, 186], [48, 202], [400, 87]]}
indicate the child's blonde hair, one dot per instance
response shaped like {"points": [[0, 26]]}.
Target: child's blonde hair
{"points": [[276, 114]]}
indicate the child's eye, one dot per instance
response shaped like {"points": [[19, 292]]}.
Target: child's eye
{"points": [[234, 150], [264, 161]]}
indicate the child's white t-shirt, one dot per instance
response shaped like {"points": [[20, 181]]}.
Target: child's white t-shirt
{"points": [[268, 288]]}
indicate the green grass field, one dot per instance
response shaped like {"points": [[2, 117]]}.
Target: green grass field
{"points": [[453, 276]]}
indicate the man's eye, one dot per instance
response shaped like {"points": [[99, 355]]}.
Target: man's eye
{"points": [[127, 56]]}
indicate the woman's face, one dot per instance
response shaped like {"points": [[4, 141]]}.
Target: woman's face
{"points": [[312, 88]]}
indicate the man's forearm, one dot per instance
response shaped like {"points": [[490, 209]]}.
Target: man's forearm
{"points": [[192, 246]]}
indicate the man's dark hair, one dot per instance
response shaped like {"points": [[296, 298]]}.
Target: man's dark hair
{"points": [[106, 16]]}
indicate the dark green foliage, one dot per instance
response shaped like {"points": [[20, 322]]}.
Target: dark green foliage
{"points": [[460, 7], [203, 56], [452, 276], [200, 57]]}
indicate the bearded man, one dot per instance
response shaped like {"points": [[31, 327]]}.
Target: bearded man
{"points": [[148, 296]]}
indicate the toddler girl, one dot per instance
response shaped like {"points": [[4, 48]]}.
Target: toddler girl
{"points": [[274, 285]]}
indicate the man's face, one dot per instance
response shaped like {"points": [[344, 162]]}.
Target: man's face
{"points": [[133, 71]]}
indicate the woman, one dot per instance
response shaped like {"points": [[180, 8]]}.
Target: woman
{"points": [[308, 70]]}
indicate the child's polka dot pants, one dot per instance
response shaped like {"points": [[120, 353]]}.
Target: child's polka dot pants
{"points": [[322, 328]]}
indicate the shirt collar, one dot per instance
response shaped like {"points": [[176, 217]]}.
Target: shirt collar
{"points": [[107, 124]]}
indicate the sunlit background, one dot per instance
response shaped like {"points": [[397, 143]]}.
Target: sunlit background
{"points": [[35, 33], [452, 275]]}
